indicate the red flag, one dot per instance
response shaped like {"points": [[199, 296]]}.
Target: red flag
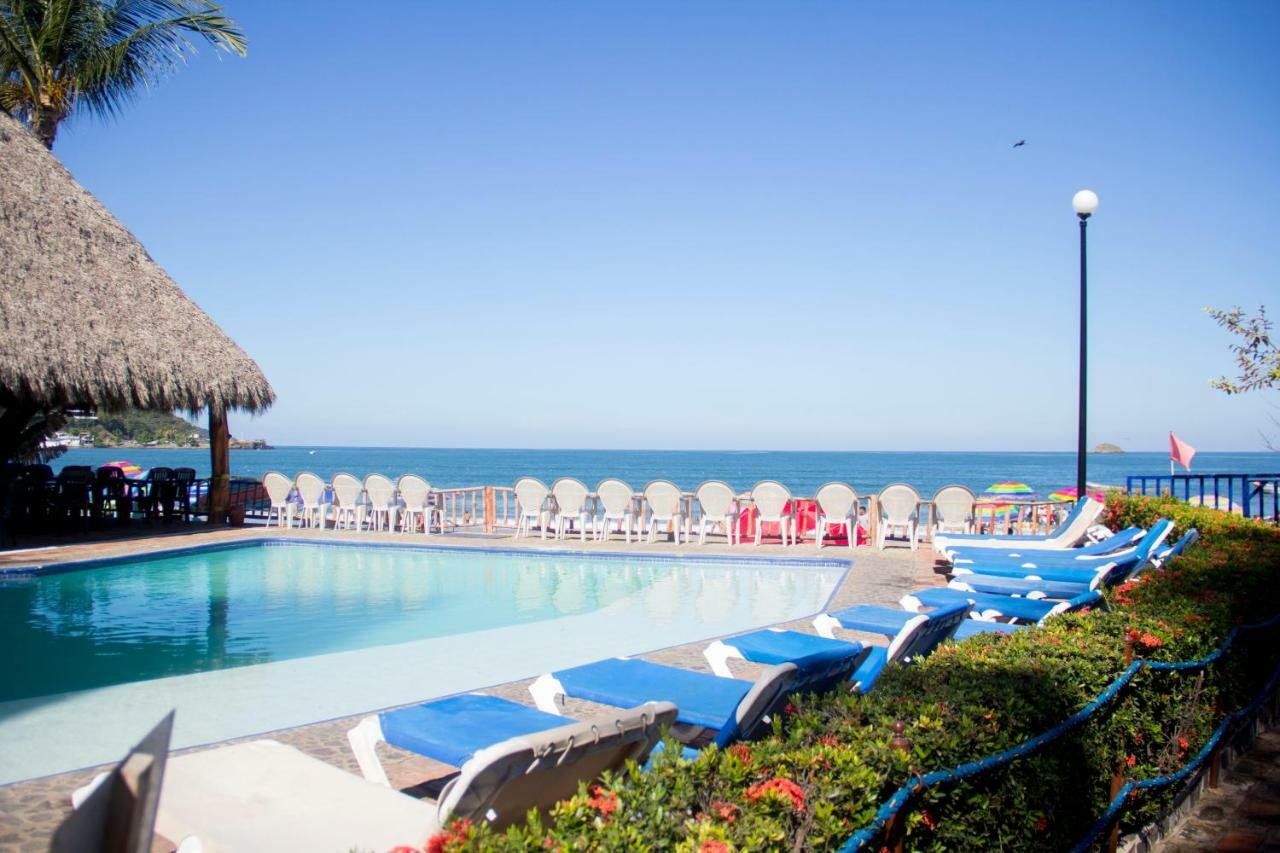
{"points": [[1180, 451]]}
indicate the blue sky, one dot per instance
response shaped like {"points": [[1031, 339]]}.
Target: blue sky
{"points": [[717, 225]]}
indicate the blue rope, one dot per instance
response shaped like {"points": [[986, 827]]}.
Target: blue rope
{"points": [[903, 794]]}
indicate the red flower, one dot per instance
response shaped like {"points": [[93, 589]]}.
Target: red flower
{"points": [[458, 830], [928, 820], [789, 709], [605, 802], [1182, 743], [727, 811], [1131, 761], [829, 740], [1042, 823], [712, 845], [1151, 641], [781, 787], [740, 751]]}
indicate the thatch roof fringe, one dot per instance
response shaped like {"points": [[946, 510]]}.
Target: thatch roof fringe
{"points": [[87, 318]]}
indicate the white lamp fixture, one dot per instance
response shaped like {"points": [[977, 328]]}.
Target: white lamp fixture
{"points": [[1085, 203]]}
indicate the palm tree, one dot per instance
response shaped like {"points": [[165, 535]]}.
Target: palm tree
{"points": [[58, 55]]}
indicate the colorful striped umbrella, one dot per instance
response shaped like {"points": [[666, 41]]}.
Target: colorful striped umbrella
{"points": [[1010, 489], [1069, 494], [130, 470]]}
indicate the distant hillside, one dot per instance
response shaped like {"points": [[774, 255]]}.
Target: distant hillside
{"points": [[139, 427], [1107, 448]]}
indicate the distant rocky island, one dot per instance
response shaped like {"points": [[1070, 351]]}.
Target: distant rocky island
{"points": [[133, 428], [1107, 448]]}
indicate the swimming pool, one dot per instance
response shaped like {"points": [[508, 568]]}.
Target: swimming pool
{"points": [[278, 633]]}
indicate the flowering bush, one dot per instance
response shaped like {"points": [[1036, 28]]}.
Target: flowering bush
{"points": [[830, 763]]}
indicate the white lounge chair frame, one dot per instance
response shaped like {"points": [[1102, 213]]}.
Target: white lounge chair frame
{"points": [[952, 510], [381, 493], [348, 512], [618, 501], [311, 490], [837, 504], [665, 503], [279, 488], [571, 498], [531, 506], [415, 492], [718, 505], [771, 499], [899, 512]]}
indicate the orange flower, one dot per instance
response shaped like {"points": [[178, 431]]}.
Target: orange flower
{"points": [[1151, 641], [605, 802], [1131, 760], [1182, 743], [458, 830], [740, 751], [829, 740], [781, 787], [727, 811], [713, 845]]}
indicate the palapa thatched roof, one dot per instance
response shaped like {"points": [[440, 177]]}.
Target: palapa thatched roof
{"points": [[87, 319]]}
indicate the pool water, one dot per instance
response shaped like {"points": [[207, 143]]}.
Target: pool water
{"points": [[261, 636]]}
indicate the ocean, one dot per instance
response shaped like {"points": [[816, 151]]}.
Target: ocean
{"points": [[802, 472]]}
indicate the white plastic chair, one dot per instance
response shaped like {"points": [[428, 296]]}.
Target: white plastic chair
{"points": [[837, 504], [899, 511], [772, 501], [665, 503], [953, 510], [719, 505], [618, 501], [531, 506], [315, 511], [571, 506], [416, 494], [278, 488], [382, 502], [348, 512]]}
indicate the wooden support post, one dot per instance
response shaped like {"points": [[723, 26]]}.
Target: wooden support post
{"points": [[1215, 767], [220, 459], [1113, 836], [490, 514], [895, 834]]}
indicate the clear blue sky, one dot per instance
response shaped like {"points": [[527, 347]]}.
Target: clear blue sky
{"points": [[717, 225]]}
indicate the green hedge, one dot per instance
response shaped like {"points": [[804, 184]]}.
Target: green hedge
{"points": [[831, 759]]}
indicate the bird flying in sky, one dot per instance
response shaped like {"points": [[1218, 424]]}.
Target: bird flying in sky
{"points": [[1020, 143]]}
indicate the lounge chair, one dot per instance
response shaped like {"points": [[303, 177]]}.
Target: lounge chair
{"points": [[311, 490], [570, 506], [717, 503], [382, 502], [837, 504], [279, 488], [711, 709], [899, 512], [891, 621], [772, 501], [952, 511], [990, 606], [617, 499], [347, 509], [1163, 556], [666, 506], [910, 638], [512, 757], [531, 506], [184, 479], [1068, 534], [116, 812], [416, 494], [1123, 563], [1095, 552]]}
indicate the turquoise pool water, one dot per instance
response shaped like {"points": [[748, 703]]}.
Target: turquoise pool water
{"points": [[255, 637]]}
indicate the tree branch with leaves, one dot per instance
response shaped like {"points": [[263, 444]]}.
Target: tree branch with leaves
{"points": [[1257, 357]]}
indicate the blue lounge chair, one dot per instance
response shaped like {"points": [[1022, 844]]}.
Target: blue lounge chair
{"points": [[991, 606], [914, 637], [512, 757], [1124, 564], [1068, 534], [1178, 548], [891, 621], [711, 709], [1098, 551]]}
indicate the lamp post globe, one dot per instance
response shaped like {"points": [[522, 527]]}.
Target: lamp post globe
{"points": [[1084, 203]]}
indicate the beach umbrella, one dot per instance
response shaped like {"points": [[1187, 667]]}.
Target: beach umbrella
{"points": [[130, 470], [1221, 502], [1010, 490], [1069, 494]]}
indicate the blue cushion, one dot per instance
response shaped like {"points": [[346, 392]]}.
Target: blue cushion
{"points": [[455, 728], [1026, 609], [1022, 586], [773, 647], [865, 675], [702, 699], [874, 619]]}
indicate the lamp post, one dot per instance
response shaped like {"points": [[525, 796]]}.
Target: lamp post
{"points": [[1085, 203]]}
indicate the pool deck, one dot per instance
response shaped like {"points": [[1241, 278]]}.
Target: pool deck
{"points": [[30, 810]]}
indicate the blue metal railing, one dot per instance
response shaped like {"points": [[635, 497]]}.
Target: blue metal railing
{"points": [[1255, 495], [910, 790]]}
